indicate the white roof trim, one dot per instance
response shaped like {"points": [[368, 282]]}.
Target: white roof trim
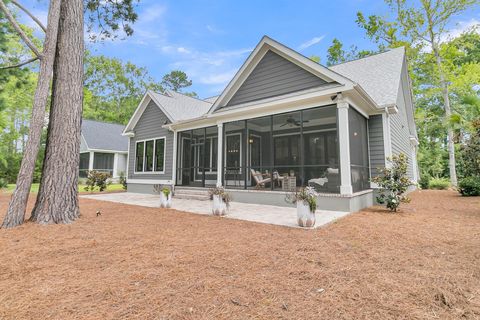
{"points": [[139, 111], [257, 54]]}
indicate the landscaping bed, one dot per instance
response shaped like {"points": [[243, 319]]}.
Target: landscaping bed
{"points": [[148, 263]]}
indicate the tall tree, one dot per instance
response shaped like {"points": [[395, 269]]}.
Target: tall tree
{"points": [[57, 200], [18, 203], [424, 24], [336, 54], [176, 80]]}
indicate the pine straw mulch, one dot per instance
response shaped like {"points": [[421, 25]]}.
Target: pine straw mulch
{"points": [[145, 263]]}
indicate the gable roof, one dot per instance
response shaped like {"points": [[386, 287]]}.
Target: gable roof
{"points": [[378, 74], [176, 107], [104, 136], [267, 44]]}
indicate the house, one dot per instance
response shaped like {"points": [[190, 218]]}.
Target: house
{"points": [[282, 122], [103, 148]]}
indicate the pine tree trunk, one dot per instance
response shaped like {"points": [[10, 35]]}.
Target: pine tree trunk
{"points": [[448, 114], [57, 200], [18, 203]]}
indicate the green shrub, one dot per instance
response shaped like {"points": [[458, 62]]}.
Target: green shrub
{"points": [[97, 179], [123, 180], [393, 183], [439, 183], [3, 183], [424, 181], [469, 186]]}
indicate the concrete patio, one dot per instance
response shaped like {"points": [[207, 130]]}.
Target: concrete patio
{"points": [[283, 216]]}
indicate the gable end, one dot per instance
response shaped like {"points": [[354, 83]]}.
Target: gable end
{"points": [[274, 76]]}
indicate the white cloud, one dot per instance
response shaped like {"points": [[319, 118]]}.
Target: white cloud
{"points": [[220, 78], [310, 42], [460, 28], [152, 13], [183, 50]]}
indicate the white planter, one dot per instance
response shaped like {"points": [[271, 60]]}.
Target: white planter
{"points": [[305, 217], [165, 202], [219, 207]]}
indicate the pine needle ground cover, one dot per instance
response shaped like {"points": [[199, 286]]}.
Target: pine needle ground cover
{"points": [[147, 263]]}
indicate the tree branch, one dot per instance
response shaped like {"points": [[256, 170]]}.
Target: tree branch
{"points": [[19, 64], [19, 30], [30, 15]]}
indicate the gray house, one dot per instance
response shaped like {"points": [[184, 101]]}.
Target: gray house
{"points": [[282, 122], [103, 148]]}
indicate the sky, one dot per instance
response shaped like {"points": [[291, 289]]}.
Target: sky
{"points": [[209, 40]]}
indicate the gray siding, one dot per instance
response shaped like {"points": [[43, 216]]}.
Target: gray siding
{"points": [[376, 143], [274, 76], [400, 130], [149, 126]]}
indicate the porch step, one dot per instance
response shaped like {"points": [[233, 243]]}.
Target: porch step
{"points": [[191, 193]]}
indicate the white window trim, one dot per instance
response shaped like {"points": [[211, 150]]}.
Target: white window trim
{"points": [[154, 153]]}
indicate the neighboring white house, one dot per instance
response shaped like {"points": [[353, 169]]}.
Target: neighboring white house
{"points": [[282, 122], [103, 148]]}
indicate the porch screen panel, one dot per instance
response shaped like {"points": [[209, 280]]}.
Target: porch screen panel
{"points": [[358, 150], [198, 154], [211, 156], [287, 151], [259, 155], [321, 149], [234, 147], [103, 162], [184, 158]]}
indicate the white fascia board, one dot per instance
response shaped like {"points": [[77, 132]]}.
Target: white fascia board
{"points": [[263, 108], [139, 111], [137, 114], [260, 50]]}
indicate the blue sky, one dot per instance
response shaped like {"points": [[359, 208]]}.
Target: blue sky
{"points": [[209, 40]]}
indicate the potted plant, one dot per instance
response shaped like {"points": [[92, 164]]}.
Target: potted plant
{"points": [[306, 201], [221, 201], [165, 196]]}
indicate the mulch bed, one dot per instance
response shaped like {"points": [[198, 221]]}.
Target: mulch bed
{"points": [[146, 263]]}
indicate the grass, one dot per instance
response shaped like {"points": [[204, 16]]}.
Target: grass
{"points": [[34, 189]]}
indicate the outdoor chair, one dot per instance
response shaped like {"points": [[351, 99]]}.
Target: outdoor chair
{"points": [[259, 179]]}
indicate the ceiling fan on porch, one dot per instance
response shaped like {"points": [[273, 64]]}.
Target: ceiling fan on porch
{"points": [[290, 121]]}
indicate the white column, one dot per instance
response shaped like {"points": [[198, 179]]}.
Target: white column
{"points": [[387, 137], [90, 161], [174, 164], [344, 147], [115, 165], [220, 155]]}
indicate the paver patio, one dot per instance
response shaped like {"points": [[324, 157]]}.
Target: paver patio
{"points": [[283, 216]]}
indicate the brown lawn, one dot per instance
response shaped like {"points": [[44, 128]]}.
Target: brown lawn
{"points": [[134, 262]]}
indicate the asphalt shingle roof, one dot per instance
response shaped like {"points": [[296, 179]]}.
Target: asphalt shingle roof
{"points": [[180, 106], [379, 75], [104, 136]]}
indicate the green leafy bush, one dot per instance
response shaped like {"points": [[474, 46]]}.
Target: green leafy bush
{"points": [[123, 180], [424, 181], [393, 182], [439, 184], [469, 186], [3, 183], [97, 179]]}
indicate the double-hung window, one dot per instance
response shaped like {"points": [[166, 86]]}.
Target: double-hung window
{"points": [[150, 156]]}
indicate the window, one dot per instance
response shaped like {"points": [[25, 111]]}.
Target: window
{"points": [[150, 156], [159, 154], [211, 154], [139, 157]]}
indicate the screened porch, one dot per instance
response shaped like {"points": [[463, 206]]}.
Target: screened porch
{"points": [[277, 152]]}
